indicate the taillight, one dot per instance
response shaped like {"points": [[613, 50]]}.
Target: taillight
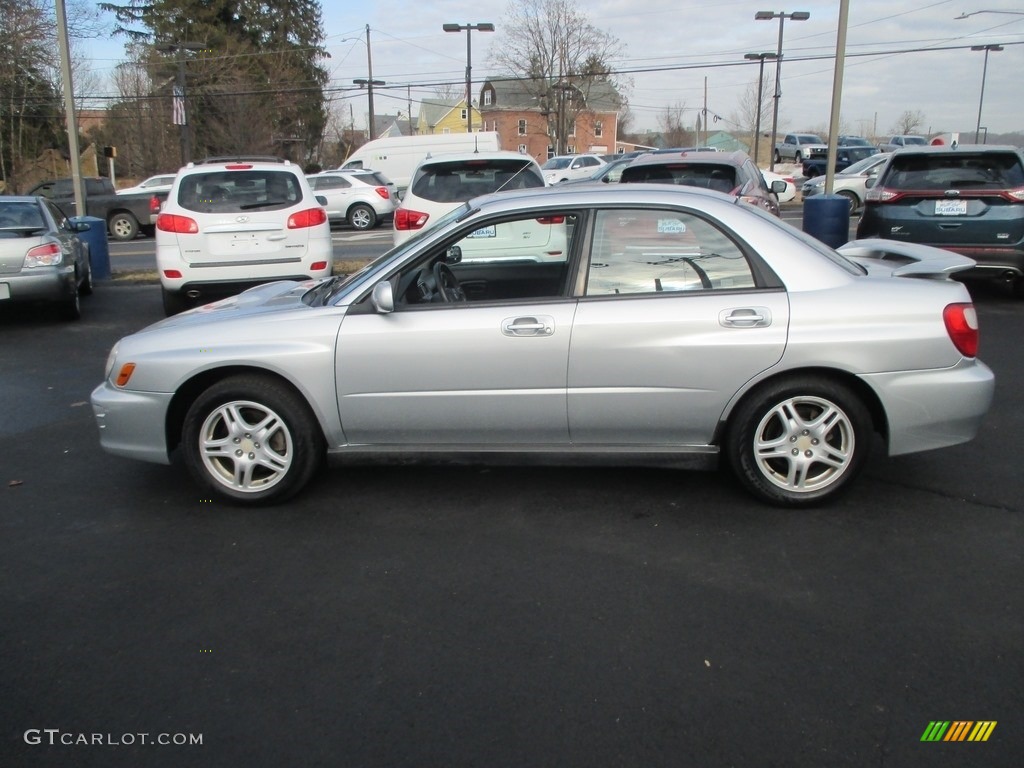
{"points": [[406, 219], [311, 217], [172, 222], [317, 266], [237, 167], [154, 204], [383, 192], [882, 195], [172, 274], [551, 220], [962, 326], [48, 255], [1016, 195]]}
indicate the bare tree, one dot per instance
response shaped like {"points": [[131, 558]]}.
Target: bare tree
{"points": [[673, 126], [909, 122], [559, 56]]}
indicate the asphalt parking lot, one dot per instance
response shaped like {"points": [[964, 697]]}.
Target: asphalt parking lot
{"points": [[453, 614]]}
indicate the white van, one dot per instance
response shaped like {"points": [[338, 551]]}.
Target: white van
{"points": [[397, 156]]}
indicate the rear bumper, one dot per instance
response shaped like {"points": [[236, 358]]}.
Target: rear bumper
{"points": [[40, 284], [934, 408]]}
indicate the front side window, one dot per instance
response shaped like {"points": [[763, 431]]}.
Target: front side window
{"points": [[642, 251]]}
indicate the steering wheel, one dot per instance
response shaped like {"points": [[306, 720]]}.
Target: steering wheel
{"points": [[448, 287]]}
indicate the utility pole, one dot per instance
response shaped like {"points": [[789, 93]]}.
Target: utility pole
{"points": [[69, 108]]}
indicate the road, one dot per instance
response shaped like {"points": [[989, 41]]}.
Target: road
{"points": [[442, 614]]}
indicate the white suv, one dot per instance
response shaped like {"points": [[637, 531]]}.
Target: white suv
{"points": [[360, 198], [566, 167], [230, 224]]}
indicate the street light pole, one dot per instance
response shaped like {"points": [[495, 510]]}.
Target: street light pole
{"points": [[984, 72], [760, 90], [781, 16], [482, 27]]}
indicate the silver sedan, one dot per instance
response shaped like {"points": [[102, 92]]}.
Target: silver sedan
{"points": [[671, 323]]}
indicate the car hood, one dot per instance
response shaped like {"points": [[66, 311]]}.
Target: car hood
{"points": [[270, 298]]}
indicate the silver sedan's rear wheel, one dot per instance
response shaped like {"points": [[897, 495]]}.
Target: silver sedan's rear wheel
{"points": [[251, 439], [800, 442]]}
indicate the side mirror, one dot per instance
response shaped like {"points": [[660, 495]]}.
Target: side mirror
{"points": [[383, 297], [322, 200], [778, 186], [870, 182], [453, 255], [77, 225]]}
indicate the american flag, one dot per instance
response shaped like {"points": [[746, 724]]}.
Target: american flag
{"points": [[178, 106]]}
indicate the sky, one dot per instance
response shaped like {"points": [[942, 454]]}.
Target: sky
{"points": [[914, 55]]}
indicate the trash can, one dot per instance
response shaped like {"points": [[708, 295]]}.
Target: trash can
{"points": [[827, 217], [99, 248]]}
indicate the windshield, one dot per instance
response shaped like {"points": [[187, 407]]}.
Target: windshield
{"points": [[325, 292], [862, 165], [557, 163]]}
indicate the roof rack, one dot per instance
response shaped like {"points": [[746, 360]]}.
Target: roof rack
{"points": [[243, 159]]}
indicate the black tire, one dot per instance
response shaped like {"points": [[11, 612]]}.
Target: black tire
{"points": [[854, 200], [778, 157], [71, 307], [362, 217], [123, 226], [782, 455], [85, 286], [174, 302], [798, 158], [263, 443]]}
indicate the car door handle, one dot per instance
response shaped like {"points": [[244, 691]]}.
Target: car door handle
{"points": [[541, 325], [746, 317]]}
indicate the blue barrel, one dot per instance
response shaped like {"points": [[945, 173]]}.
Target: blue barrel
{"points": [[99, 249], [827, 217]]}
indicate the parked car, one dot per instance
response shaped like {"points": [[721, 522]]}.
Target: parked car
{"points": [[901, 141], [797, 147], [788, 192], [362, 199], [845, 157], [161, 183], [42, 259], [228, 225], [126, 215], [850, 183], [677, 323], [567, 167], [731, 173], [442, 183], [968, 199], [610, 172]]}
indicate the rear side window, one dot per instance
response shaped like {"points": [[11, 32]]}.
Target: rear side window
{"points": [[459, 181], [227, 191], [960, 171], [375, 179]]}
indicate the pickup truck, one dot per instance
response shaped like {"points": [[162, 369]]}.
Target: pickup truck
{"points": [[797, 147], [845, 157], [898, 142], [126, 215]]}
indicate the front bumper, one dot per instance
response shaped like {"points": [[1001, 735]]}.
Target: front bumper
{"points": [[132, 424]]}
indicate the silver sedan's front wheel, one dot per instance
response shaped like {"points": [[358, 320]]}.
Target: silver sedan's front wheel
{"points": [[251, 439], [799, 443]]}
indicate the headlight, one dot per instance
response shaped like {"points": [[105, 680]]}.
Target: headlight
{"points": [[111, 359]]}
